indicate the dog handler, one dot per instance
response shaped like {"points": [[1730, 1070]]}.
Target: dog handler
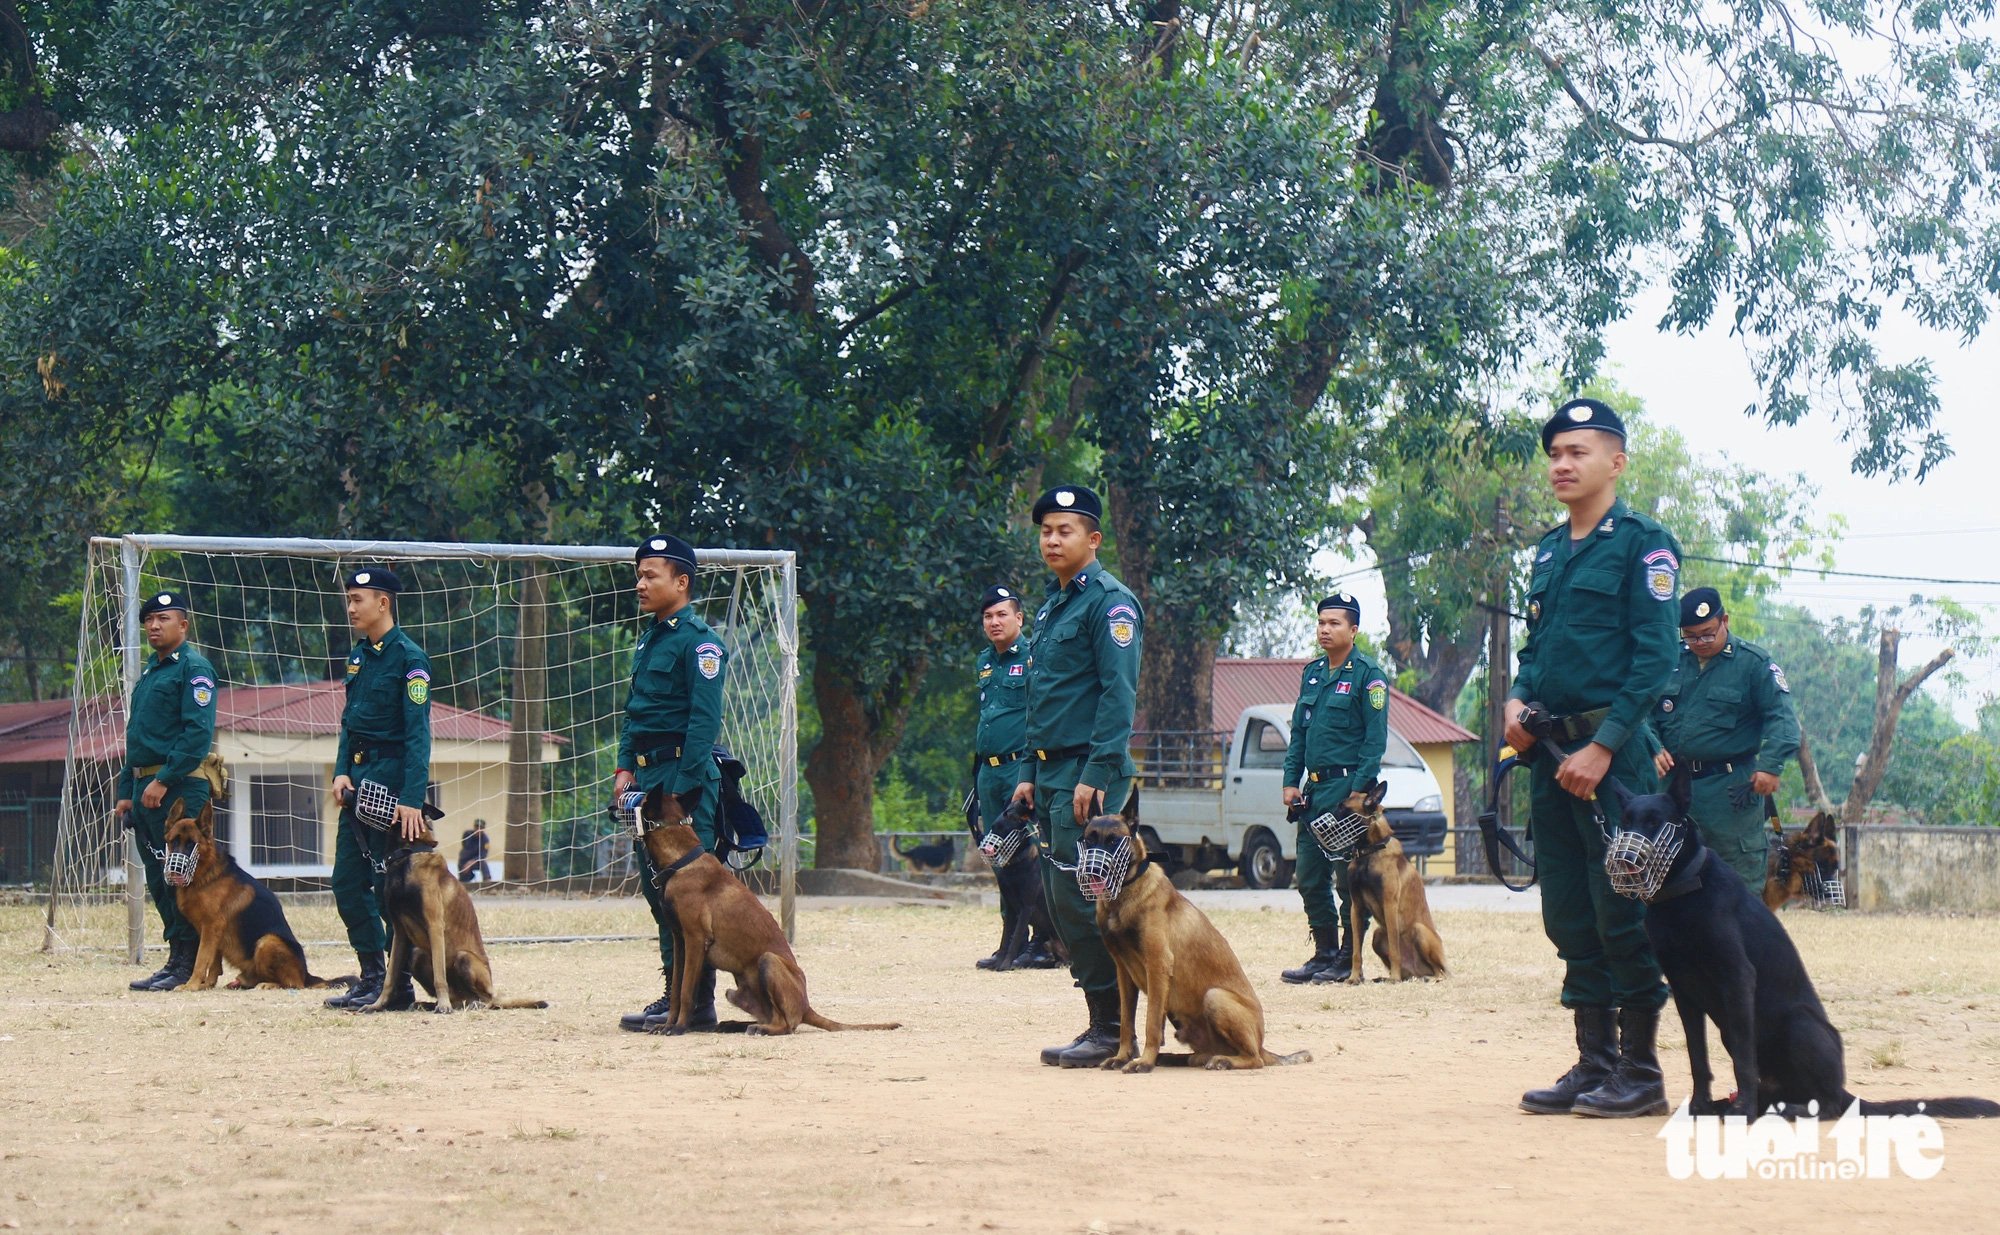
{"points": [[1340, 727], [385, 737], [1001, 741], [169, 730], [1727, 715], [666, 743], [1599, 653], [1083, 683]]}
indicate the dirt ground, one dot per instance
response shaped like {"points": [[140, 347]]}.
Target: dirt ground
{"points": [[260, 1111]]}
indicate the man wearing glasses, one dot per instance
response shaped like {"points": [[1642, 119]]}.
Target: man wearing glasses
{"points": [[1727, 716]]}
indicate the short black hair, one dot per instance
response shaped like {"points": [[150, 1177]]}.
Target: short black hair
{"points": [[1089, 521]]}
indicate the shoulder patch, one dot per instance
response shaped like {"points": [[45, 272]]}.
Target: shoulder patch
{"points": [[1123, 621], [203, 690], [1663, 571], [708, 660], [418, 689], [1378, 694], [1778, 676]]}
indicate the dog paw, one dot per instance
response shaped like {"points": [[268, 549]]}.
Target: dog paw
{"points": [[1116, 1062], [442, 1008], [756, 1031], [1704, 1106], [1137, 1066], [1220, 1065]]}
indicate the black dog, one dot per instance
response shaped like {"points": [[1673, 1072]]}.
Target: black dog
{"points": [[932, 858], [1728, 960], [1023, 908]]}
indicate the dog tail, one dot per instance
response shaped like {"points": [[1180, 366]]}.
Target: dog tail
{"points": [[1940, 1108], [313, 983], [519, 1003], [1272, 1060], [820, 1022], [902, 852]]}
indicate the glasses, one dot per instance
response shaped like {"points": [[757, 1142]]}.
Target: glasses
{"points": [[1694, 637]]}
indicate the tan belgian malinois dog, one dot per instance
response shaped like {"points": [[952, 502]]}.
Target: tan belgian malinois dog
{"points": [[437, 938], [1169, 950], [718, 921], [1384, 886]]}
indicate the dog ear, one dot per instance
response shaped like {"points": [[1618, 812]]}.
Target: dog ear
{"points": [[1138, 846], [1377, 790]]}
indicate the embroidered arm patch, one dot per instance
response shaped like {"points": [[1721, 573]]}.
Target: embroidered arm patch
{"points": [[1662, 574], [203, 689], [417, 685]]}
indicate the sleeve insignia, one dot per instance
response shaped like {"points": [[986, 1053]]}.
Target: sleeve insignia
{"points": [[1378, 694], [1124, 623], [204, 690], [708, 660], [1778, 676], [1662, 573], [419, 690]]}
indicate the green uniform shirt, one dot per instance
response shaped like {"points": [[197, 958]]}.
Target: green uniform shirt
{"points": [[1341, 719], [677, 673], [1738, 704], [1083, 673], [170, 720], [1601, 615], [1003, 700], [388, 705]]}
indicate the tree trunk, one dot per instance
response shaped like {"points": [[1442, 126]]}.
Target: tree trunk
{"points": [[1176, 676], [857, 735], [1890, 697], [1809, 772]]}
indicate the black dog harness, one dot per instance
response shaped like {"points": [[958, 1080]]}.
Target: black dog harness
{"points": [[679, 864]]}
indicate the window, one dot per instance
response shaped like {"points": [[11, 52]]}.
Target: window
{"points": [[1263, 746], [1400, 754], [285, 822]]}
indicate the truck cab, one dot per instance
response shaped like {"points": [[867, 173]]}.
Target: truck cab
{"points": [[1216, 801]]}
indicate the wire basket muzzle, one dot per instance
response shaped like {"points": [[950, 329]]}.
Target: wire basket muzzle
{"points": [[375, 805], [1101, 872], [999, 850], [1337, 835], [1637, 864]]}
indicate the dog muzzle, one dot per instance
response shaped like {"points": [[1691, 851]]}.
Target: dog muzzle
{"points": [[1826, 892], [178, 865], [1338, 834], [1100, 873], [1000, 850], [1637, 864], [375, 805], [629, 810]]}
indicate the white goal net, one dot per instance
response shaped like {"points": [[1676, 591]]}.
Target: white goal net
{"points": [[530, 649]]}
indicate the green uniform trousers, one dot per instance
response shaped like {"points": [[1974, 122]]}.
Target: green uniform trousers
{"points": [[1322, 880], [357, 885], [996, 786], [150, 826], [1075, 917], [1600, 935], [1739, 836], [703, 821]]}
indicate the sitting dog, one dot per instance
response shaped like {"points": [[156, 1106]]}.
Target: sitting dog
{"points": [[437, 939], [931, 858], [718, 921], [1384, 887], [1023, 906], [1167, 948], [1728, 960], [1805, 865], [239, 920]]}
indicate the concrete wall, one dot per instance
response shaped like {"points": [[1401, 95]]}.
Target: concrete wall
{"points": [[1924, 870], [1440, 758]]}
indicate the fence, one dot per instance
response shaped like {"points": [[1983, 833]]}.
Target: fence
{"points": [[27, 838]]}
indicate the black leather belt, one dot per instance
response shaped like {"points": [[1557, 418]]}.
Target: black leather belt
{"points": [[652, 750], [385, 751], [1577, 726], [1329, 774], [1702, 769], [1001, 761], [1062, 752]]}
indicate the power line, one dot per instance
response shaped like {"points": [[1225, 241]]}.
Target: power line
{"points": [[1840, 574]]}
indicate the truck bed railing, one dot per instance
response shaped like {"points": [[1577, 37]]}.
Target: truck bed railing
{"points": [[1180, 759]]}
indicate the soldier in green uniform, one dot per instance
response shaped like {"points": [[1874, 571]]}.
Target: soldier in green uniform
{"points": [[1340, 727], [1599, 653], [1727, 715], [385, 737], [1002, 739], [1083, 682], [666, 743], [169, 730]]}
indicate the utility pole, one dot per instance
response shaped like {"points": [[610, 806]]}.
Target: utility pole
{"points": [[1499, 645]]}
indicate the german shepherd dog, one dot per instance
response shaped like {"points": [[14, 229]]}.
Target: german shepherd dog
{"points": [[1168, 949], [240, 921], [1023, 905], [1384, 887], [717, 921], [437, 939], [1803, 862], [1728, 960], [930, 858]]}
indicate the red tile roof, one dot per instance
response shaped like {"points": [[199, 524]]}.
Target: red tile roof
{"points": [[1247, 682], [39, 732]]}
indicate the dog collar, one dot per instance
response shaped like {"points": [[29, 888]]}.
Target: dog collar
{"points": [[1684, 883]]}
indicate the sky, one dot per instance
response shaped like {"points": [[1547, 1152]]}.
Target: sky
{"points": [[1946, 527]]}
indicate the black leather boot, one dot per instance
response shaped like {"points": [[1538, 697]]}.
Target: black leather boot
{"points": [[1100, 1041], [988, 962], [1596, 1055], [1326, 944], [401, 996], [368, 988], [1635, 1087], [1040, 955], [1341, 967], [635, 1022], [178, 969]]}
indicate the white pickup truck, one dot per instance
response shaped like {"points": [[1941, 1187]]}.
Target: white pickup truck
{"points": [[1208, 805]]}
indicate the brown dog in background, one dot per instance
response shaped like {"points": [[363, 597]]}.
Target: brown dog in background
{"points": [[718, 921], [1802, 862], [1383, 885], [238, 918], [1167, 948], [437, 939]]}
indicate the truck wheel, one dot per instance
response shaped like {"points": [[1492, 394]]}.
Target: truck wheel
{"points": [[1263, 864], [1168, 858]]}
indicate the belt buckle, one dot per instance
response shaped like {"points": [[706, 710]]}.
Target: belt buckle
{"points": [[642, 761], [992, 761], [1041, 754], [360, 757]]}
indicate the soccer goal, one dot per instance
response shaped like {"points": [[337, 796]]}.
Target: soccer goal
{"points": [[530, 649]]}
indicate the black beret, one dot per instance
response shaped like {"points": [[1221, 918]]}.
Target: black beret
{"points": [[672, 548], [1341, 600], [160, 602], [1699, 605], [995, 594], [1070, 499], [381, 578], [1582, 414]]}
